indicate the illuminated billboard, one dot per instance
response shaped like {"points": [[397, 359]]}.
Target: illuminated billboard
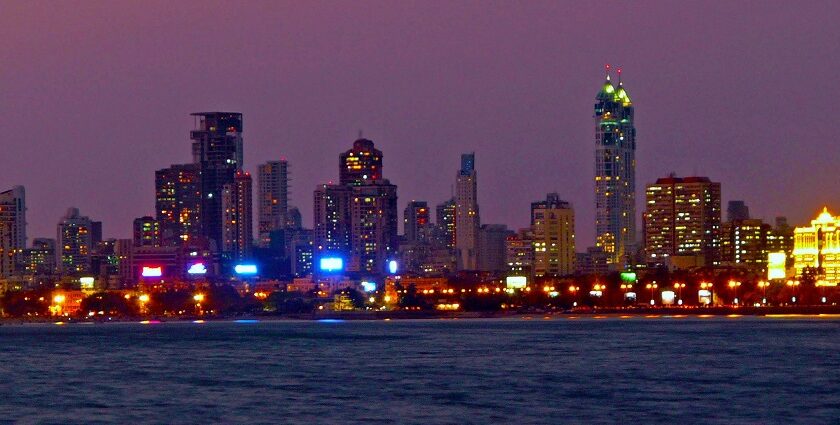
{"points": [[516, 282], [86, 282], [705, 296], [152, 271], [668, 297], [629, 277], [392, 267], [368, 286], [331, 264], [197, 268], [245, 269], [776, 262]]}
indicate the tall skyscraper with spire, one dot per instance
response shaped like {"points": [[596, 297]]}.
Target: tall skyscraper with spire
{"points": [[615, 172]]}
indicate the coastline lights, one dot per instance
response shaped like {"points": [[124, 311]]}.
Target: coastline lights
{"points": [[245, 269], [197, 268], [331, 264], [152, 271]]}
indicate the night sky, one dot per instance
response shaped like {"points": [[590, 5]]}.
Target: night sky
{"points": [[95, 96]]}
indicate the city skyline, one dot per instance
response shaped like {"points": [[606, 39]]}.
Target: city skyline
{"points": [[530, 121]]}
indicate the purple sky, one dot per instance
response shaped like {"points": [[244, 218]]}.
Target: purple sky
{"points": [[95, 96]]}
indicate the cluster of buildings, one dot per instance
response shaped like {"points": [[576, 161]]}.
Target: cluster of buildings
{"points": [[203, 225]]}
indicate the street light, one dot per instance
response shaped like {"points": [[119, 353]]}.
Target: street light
{"points": [[198, 299], [763, 285], [573, 290], [143, 298], [679, 287], [794, 284], [652, 287], [733, 285]]}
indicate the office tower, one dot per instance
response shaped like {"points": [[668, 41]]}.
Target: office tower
{"points": [[217, 150], [445, 216], [12, 230], [415, 219], [40, 258], [272, 198], [362, 162], [519, 251], [301, 252], [780, 239], [75, 242], [178, 203], [615, 173], [237, 217], [331, 217], [682, 218], [815, 249], [553, 233], [744, 243], [737, 210], [104, 260], [491, 247], [467, 222], [146, 232], [374, 232]]}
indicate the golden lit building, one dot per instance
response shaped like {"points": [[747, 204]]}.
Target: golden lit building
{"points": [[817, 247]]}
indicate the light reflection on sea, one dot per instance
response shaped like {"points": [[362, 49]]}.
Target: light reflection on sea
{"points": [[615, 369]]}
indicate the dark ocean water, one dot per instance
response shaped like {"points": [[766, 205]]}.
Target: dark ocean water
{"points": [[639, 370]]}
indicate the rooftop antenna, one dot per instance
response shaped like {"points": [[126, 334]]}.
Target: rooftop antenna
{"points": [[607, 71], [619, 76], [360, 133]]}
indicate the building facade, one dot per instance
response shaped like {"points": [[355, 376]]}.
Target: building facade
{"points": [[178, 204], [237, 217], [146, 232], [374, 237], [817, 249], [12, 231], [467, 221], [360, 163], [553, 236], [682, 218], [272, 198], [615, 173], [75, 243], [415, 220]]}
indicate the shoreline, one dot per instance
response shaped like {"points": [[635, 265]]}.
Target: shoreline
{"points": [[600, 313]]}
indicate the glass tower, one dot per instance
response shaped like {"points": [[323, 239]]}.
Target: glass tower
{"points": [[615, 173]]}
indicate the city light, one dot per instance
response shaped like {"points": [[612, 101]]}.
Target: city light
{"points": [[516, 282], [331, 264], [152, 271], [368, 286], [86, 282], [245, 269], [197, 268], [392, 266], [776, 265]]}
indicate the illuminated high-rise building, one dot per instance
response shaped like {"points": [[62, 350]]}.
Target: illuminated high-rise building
{"points": [[40, 258], [217, 150], [467, 222], [178, 204], [445, 221], [146, 232], [816, 249], [744, 243], [682, 218], [553, 235], [272, 198], [75, 243], [237, 216], [12, 230], [362, 162], [373, 214], [331, 218], [415, 220], [615, 173]]}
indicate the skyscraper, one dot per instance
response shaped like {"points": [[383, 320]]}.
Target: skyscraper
{"points": [[553, 233], [373, 214], [491, 247], [178, 203], [467, 222], [615, 172], [737, 210], [362, 162], [237, 217], [12, 230], [445, 221], [75, 242], [415, 219], [217, 150], [331, 218], [682, 218], [273, 198], [40, 258]]}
